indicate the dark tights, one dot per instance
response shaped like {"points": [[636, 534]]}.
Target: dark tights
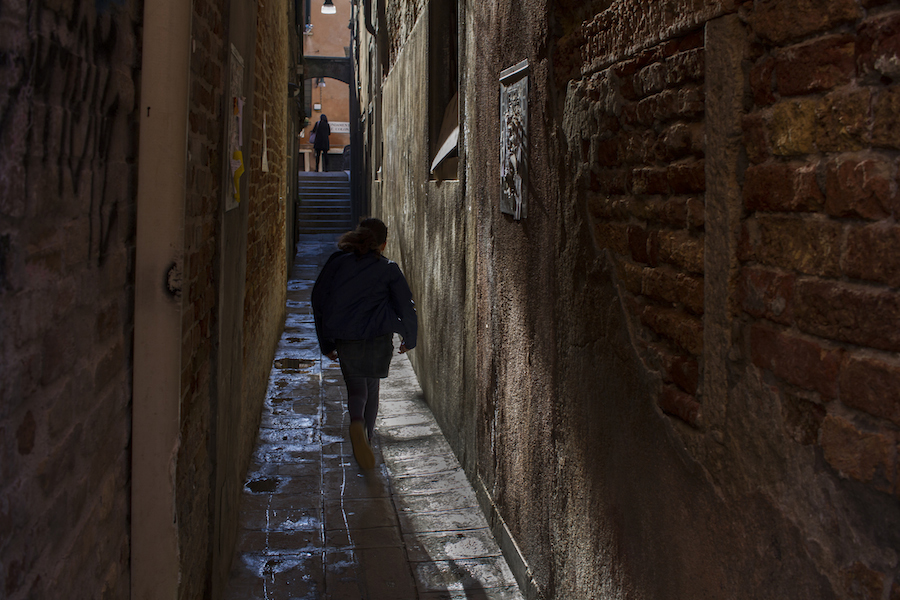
{"points": [[324, 155], [362, 400]]}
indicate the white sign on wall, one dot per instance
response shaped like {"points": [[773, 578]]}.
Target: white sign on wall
{"points": [[339, 126]]}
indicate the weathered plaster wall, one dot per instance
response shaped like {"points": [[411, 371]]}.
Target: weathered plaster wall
{"points": [[405, 96], [401, 17], [429, 235], [685, 376], [68, 90]]}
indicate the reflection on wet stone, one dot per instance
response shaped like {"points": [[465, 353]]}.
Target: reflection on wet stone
{"points": [[293, 363], [316, 526], [259, 486]]}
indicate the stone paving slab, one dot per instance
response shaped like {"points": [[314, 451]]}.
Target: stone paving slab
{"points": [[474, 574], [448, 482], [507, 593], [417, 448], [450, 545], [354, 485], [443, 520], [424, 465], [437, 502], [314, 526]]}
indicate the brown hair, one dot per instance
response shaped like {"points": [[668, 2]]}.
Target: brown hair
{"points": [[369, 235]]}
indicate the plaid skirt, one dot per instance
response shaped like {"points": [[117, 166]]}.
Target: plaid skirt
{"points": [[366, 358]]}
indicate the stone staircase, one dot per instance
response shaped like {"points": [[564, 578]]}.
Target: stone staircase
{"points": [[324, 203]]}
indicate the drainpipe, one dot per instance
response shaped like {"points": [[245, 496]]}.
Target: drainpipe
{"points": [[165, 74], [357, 193], [367, 7]]}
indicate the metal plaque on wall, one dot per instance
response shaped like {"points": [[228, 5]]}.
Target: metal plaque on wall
{"points": [[514, 140]]}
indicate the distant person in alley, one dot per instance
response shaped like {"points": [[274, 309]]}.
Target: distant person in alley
{"points": [[321, 144], [360, 300]]}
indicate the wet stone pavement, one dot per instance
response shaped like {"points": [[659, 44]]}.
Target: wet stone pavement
{"points": [[316, 526]]}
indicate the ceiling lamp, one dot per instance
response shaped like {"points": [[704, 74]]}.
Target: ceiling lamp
{"points": [[328, 8]]}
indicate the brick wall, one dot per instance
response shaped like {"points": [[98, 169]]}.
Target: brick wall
{"points": [[264, 302], [807, 342], [200, 293], [68, 140], [67, 166], [820, 198], [818, 254], [646, 203], [206, 435]]}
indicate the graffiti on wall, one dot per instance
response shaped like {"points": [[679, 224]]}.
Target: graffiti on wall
{"points": [[67, 119]]}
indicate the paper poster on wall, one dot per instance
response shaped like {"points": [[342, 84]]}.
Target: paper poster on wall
{"points": [[235, 130]]}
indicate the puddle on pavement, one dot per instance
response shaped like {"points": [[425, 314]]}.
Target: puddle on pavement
{"points": [[299, 284], [264, 565], [263, 486], [293, 363], [286, 422], [301, 524]]}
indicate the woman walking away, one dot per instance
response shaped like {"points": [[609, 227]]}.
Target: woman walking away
{"points": [[321, 144], [360, 300]]}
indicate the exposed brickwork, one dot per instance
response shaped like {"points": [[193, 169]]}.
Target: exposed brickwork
{"points": [[647, 184], [796, 359], [779, 22], [814, 312], [858, 454], [630, 27], [872, 385], [67, 169], [200, 292], [265, 284], [264, 300], [817, 66], [819, 287], [862, 187]]}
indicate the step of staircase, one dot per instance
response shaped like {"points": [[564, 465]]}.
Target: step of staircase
{"points": [[324, 203]]}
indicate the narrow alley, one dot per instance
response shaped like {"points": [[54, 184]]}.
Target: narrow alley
{"points": [[651, 247], [313, 525]]}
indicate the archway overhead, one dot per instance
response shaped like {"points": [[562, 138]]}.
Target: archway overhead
{"points": [[329, 66]]}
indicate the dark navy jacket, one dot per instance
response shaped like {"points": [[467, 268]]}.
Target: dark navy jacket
{"points": [[358, 298]]}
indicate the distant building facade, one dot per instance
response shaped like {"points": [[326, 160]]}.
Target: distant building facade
{"points": [[327, 36]]}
